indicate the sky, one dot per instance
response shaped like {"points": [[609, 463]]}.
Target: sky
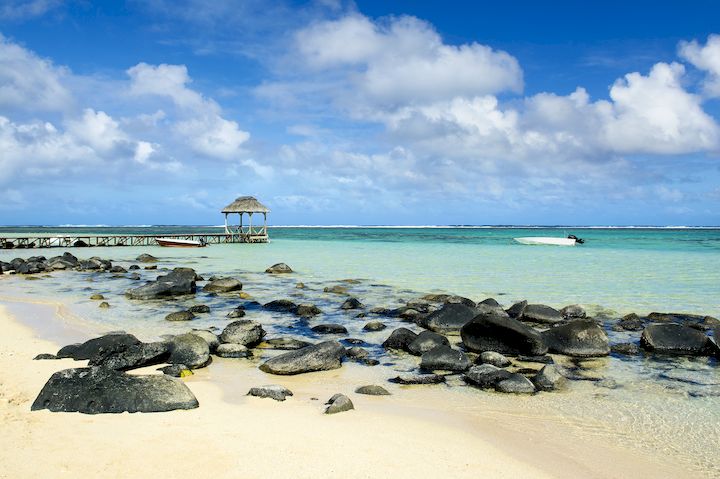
{"points": [[369, 113]]}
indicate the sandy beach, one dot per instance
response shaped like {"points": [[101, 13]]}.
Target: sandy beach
{"points": [[413, 434]]}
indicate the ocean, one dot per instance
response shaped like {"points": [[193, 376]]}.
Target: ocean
{"points": [[667, 406]]}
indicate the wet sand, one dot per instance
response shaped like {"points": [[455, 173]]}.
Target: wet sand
{"points": [[416, 432]]}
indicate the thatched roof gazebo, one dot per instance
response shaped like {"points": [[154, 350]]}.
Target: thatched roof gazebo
{"points": [[247, 205]]}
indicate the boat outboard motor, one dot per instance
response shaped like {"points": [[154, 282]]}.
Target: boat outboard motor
{"points": [[577, 240]]}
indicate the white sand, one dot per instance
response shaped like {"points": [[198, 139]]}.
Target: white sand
{"points": [[231, 435]]}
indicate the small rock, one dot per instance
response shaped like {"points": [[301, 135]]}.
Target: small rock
{"points": [[426, 341], [281, 306], [399, 339], [199, 308], [232, 350], [45, 356], [496, 359], [549, 378], [146, 258], [244, 331], [339, 403], [318, 357], [286, 343], [372, 390], [356, 352], [223, 285], [539, 313], [279, 268], [516, 384], [238, 312], [272, 391], [180, 316], [104, 305], [300, 285], [485, 375], [672, 338], [97, 297], [374, 326], [337, 289], [631, 322], [626, 349], [352, 303], [176, 370], [444, 358], [307, 310], [573, 311], [190, 350], [418, 379], [516, 310], [330, 329]]}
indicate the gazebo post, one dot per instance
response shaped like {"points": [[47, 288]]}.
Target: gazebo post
{"points": [[265, 223], [249, 226], [240, 227], [227, 231]]}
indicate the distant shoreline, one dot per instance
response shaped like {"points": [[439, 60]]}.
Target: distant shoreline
{"points": [[609, 227]]}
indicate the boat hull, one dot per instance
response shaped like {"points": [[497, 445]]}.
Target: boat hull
{"points": [[179, 243], [539, 240]]}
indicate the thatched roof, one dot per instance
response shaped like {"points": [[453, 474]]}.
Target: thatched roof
{"points": [[246, 204]]}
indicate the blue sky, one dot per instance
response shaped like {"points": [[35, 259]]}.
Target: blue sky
{"points": [[333, 112]]}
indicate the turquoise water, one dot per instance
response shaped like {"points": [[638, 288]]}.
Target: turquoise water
{"points": [[625, 399], [620, 270]]}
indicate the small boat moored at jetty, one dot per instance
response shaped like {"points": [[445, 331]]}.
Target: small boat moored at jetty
{"points": [[180, 243], [571, 240]]}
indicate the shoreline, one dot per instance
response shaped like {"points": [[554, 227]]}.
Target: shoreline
{"points": [[414, 433]]}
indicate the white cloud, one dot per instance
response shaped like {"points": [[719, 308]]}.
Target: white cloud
{"points": [[199, 121], [30, 83], [705, 58], [97, 129], [405, 60]]}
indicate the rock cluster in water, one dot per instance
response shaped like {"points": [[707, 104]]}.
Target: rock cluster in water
{"points": [[488, 347]]}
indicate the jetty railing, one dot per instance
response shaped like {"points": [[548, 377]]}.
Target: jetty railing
{"points": [[258, 235]]}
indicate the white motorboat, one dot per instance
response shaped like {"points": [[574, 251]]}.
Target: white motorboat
{"points": [[571, 240], [180, 243]]}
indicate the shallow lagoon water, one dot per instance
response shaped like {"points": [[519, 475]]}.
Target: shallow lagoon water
{"points": [[631, 400]]}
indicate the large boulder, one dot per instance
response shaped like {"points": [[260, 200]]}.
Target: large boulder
{"points": [[580, 338], [190, 350], [318, 357], [103, 390], [426, 341], [448, 319], [102, 346], [539, 313], [490, 332], [444, 358], [223, 285], [672, 338], [180, 281], [134, 356], [244, 331], [399, 339]]}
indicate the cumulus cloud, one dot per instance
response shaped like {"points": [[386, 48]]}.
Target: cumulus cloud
{"points": [[200, 122], [29, 82], [404, 60], [707, 58]]}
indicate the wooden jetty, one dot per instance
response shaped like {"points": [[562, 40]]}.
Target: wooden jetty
{"points": [[233, 233]]}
